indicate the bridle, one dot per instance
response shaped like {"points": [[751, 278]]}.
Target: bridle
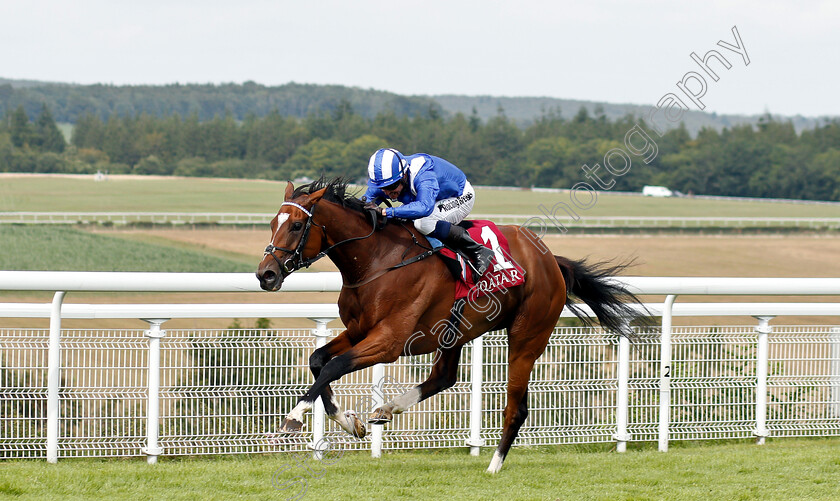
{"points": [[297, 261]]}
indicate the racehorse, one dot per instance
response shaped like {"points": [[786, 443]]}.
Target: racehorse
{"points": [[393, 302]]}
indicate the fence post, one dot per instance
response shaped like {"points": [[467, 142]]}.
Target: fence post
{"points": [[378, 389], [763, 329], [665, 373], [54, 377], [477, 378], [318, 445], [152, 451], [622, 398], [834, 350]]}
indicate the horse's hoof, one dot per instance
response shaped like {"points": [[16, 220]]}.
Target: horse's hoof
{"points": [[380, 416], [291, 426], [359, 429]]}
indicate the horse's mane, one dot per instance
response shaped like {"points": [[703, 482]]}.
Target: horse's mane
{"points": [[336, 192]]}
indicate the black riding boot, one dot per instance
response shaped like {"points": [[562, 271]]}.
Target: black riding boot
{"points": [[480, 255]]}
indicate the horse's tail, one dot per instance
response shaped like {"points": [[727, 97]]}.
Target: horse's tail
{"points": [[610, 301]]}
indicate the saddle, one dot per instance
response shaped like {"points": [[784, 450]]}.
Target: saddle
{"points": [[504, 273]]}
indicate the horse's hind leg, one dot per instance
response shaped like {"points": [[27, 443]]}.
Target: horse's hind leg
{"points": [[523, 352], [443, 375]]}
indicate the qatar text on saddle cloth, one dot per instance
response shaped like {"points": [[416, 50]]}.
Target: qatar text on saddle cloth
{"points": [[504, 273]]}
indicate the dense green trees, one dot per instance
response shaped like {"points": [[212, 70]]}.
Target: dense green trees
{"points": [[767, 160], [28, 146], [46, 133], [69, 103]]}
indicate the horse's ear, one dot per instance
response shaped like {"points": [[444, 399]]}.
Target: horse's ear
{"points": [[290, 188], [314, 197]]}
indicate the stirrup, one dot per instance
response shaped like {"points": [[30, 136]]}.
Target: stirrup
{"points": [[477, 256], [474, 261], [480, 265]]}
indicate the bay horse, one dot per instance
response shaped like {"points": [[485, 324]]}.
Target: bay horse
{"points": [[392, 309]]}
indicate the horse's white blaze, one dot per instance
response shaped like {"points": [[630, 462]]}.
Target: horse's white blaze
{"points": [[299, 410], [281, 218], [495, 463], [406, 400]]}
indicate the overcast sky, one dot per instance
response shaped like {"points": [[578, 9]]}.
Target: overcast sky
{"points": [[602, 50]]}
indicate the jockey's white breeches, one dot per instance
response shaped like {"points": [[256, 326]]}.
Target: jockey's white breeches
{"points": [[453, 210]]}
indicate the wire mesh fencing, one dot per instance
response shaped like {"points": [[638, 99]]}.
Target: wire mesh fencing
{"points": [[226, 391]]}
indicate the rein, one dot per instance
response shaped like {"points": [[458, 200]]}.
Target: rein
{"points": [[418, 257], [297, 261]]}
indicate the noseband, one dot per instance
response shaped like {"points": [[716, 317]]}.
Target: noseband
{"points": [[297, 261]]}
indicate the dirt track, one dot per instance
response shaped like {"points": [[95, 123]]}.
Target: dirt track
{"points": [[656, 255]]}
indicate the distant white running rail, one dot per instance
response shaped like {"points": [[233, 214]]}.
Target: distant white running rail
{"points": [[251, 218]]}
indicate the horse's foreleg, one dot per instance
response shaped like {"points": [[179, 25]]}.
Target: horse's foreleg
{"points": [[368, 352], [443, 375], [348, 420]]}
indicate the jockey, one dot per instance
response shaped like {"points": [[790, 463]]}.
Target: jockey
{"points": [[435, 194]]}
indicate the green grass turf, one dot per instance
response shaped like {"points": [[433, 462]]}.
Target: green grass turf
{"points": [[784, 469], [142, 194], [59, 248]]}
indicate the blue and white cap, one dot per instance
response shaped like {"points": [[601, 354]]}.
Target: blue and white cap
{"points": [[386, 167]]}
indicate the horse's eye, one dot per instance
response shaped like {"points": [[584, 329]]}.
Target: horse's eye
{"points": [[296, 226]]}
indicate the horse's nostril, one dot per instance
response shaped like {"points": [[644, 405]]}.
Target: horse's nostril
{"points": [[269, 276]]}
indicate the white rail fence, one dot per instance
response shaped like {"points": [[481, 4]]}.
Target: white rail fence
{"points": [[135, 392], [592, 222]]}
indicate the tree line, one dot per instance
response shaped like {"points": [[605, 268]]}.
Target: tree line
{"points": [[767, 160], [69, 103]]}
